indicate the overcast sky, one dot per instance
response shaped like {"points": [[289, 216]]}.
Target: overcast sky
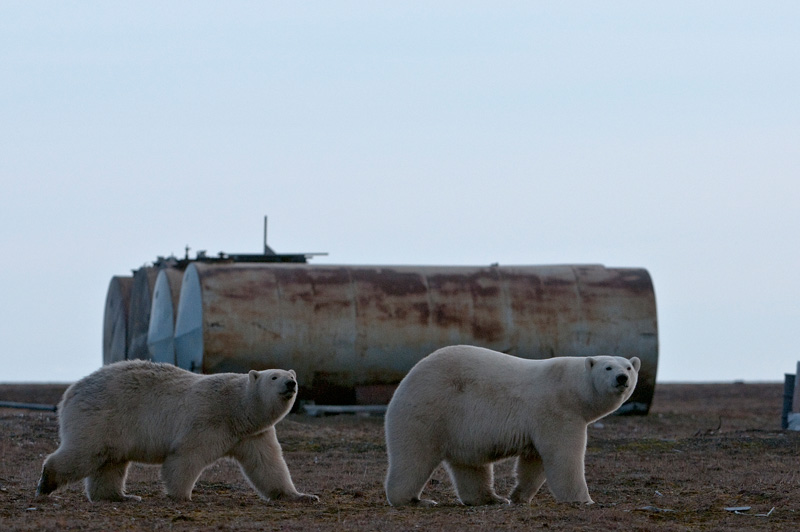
{"points": [[633, 134]]}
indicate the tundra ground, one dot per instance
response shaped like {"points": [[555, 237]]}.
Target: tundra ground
{"points": [[702, 450]]}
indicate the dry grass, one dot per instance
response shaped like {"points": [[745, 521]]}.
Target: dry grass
{"points": [[703, 448]]}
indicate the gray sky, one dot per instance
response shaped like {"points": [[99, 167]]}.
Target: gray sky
{"points": [[658, 135]]}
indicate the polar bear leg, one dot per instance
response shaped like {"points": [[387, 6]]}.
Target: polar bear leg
{"points": [[180, 472], [564, 467], [65, 466], [530, 477], [407, 477], [261, 460], [474, 484], [108, 483]]}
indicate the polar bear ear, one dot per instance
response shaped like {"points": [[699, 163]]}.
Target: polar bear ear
{"points": [[636, 363], [590, 363], [253, 375]]}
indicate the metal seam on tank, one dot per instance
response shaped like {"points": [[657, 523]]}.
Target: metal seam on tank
{"points": [[183, 322], [427, 285], [508, 311], [579, 300], [203, 329], [279, 297], [115, 319], [359, 342], [193, 364], [359, 349], [653, 360], [655, 313], [160, 331]]}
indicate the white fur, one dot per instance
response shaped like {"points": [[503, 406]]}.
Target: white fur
{"points": [[469, 407], [139, 411]]}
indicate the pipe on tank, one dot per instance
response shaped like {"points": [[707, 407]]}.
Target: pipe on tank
{"points": [[341, 327]]}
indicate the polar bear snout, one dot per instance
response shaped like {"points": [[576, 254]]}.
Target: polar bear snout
{"points": [[289, 389], [622, 380]]}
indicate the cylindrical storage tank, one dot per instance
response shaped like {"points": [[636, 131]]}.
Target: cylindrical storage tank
{"points": [[144, 281], [341, 327], [115, 319], [164, 308]]}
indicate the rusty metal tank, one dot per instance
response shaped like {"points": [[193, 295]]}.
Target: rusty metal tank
{"points": [[115, 319], [344, 327], [164, 309]]}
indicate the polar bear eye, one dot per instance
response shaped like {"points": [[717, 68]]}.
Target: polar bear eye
{"points": [[608, 368], [274, 377]]}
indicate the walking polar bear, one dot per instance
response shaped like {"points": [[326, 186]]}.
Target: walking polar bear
{"points": [[469, 407], [159, 414]]}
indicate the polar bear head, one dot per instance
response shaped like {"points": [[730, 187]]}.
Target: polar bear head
{"points": [[275, 390], [614, 375]]}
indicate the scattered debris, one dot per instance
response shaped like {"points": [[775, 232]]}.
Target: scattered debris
{"points": [[322, 410], [742, 510], [709, 431], [655, 509]]}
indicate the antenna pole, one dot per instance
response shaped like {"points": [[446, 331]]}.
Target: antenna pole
{"points": [[267, 250]]}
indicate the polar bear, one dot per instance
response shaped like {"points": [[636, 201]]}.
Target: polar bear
{"points": [[469, 407], [140, 411]]}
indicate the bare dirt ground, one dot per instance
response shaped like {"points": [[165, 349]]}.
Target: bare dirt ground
{"points": [[702, 449]]}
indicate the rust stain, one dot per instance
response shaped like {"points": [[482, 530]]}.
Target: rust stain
{"points": [[391, 282], [488, 332], [374, 394]]}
